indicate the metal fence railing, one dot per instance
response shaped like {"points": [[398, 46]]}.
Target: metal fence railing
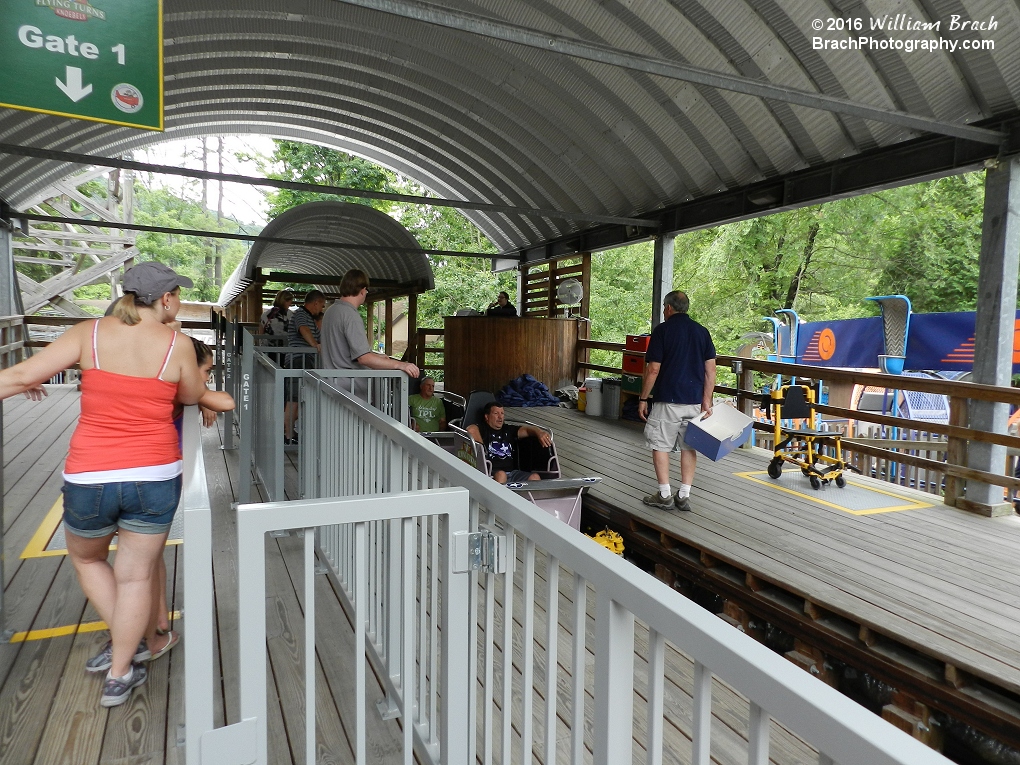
{"points": [[246, 741], [654, 661], [261, 395]]}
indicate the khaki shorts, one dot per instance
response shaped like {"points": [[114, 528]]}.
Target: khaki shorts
{"points": [[667, 425]]}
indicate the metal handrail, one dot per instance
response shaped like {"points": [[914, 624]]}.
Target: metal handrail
{"points": [[196, 510], [842, 731]]}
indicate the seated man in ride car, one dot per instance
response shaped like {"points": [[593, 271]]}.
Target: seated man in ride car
{"points": [[500, 442], [428, 411]]}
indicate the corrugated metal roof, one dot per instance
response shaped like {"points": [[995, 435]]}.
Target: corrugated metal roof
{"points": [[341, 222], [492, 121]]}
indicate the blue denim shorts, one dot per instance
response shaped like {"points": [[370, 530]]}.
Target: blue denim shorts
{"points": [[99, 509]]}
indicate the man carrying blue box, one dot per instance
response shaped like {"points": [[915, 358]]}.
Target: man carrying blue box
{"points": [[680, 370]]}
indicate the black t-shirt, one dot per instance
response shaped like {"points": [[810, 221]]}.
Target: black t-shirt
{"points": [[502, 310], [500, 446]]}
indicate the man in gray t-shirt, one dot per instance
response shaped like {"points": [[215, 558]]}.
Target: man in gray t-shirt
{"points": [[344, 341]]}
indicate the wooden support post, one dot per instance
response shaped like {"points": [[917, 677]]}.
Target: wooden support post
{"points": [[812, 660], [915, 718], [586, 284], [551, 291], [412, 326], [370, 324], [419, 348], [956, 449], [388, 329]]}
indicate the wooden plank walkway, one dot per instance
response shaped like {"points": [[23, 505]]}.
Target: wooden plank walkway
{"points": [[935, 580], [49, 711]]}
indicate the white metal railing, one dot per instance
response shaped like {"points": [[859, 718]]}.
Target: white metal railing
{"points": [[518, 707], [246, 741], [198, 577], [261, 394]]}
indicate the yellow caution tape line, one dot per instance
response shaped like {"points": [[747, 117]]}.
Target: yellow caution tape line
{"points": [[69, 629]]}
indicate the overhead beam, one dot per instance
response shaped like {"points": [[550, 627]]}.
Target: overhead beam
{"points": [[458, 204], [246, 237], [907, 162], [604, 54]]}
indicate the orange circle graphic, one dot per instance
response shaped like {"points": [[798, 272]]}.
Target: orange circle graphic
{"points": [[826, 344]]}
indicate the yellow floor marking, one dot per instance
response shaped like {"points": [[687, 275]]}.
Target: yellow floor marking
{"points": [[69, 629], [36, 547], [914, 504]]}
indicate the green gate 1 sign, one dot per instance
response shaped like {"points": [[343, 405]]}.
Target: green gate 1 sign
{"points": [[96, 60]]}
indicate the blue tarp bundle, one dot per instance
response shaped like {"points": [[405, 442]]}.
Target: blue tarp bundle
{"points": [[526, 391]]}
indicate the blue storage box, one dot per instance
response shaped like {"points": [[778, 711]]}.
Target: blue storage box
{"points": [[721, 433]]}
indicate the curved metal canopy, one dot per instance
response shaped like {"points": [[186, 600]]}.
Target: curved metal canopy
{"points": [[478, 118], [392, 271]]}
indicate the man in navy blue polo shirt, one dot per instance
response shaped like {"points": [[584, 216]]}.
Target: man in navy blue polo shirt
{"points": [[680, 372]]}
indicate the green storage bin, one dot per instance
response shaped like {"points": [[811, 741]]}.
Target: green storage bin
{"points": [[632, 384]]}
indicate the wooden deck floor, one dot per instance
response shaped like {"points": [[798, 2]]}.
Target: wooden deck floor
{"points": [[49, 710], [935, 579]]}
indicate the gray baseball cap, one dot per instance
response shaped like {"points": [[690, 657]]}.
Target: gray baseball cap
{"points": [[150, 280]]}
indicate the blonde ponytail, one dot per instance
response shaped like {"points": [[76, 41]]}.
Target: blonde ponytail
{"points": [[126, 309]]}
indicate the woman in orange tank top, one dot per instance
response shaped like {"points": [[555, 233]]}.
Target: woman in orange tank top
{"points": [[123, 471]]}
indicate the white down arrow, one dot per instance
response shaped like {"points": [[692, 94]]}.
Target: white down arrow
{"points": [[73, 89]]}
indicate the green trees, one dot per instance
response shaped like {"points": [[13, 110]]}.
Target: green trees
{"points": [[922, 241], [460, 282], [184, 254]]}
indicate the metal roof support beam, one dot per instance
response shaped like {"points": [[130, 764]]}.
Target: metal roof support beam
{"points": [[604, 54], [662, 275], [240, 237], [994, 330], [457, 204]]}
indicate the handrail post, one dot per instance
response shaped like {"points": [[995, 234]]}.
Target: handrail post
{"points": [[246, 403], [614, 682], [229, 361], [745, 404], [956, 449]]}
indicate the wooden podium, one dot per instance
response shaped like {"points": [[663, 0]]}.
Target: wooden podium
{"points": [[485, 353]]}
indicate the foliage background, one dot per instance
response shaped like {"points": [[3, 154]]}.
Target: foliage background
{"points": [[921, 240]]}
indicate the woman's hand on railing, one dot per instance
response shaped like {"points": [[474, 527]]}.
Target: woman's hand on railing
{"points": [[36, 393], [208, 416]]}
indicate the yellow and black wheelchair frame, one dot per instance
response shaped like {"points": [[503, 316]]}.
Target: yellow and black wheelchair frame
{"points": [[799, 445]]}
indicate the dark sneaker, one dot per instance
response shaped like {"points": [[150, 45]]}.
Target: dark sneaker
{"points": [[117, 690], [103, 660], [657, 500], [683, 505]]}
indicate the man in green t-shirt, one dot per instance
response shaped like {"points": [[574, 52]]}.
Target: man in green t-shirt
{"points": [[427, 410]]}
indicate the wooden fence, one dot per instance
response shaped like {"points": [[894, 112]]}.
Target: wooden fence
{"points": [[935, 459]]}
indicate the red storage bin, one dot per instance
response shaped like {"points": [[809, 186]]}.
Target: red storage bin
{"points": [[635, 365], [637, 342]]}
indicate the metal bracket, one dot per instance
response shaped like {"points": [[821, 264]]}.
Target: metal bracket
{"points": [[482, 550], [235, 744], [388, 709]]}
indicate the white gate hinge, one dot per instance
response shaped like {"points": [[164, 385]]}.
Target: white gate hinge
{"points": [[482, 550]]}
